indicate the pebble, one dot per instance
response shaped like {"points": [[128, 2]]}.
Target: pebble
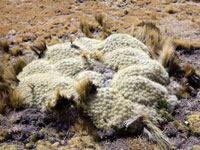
{"points": [[186, 122], [12, 32]]}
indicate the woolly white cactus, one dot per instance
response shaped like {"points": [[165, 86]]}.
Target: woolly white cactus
{"points": [[58, 52], [136, 89], [116, 41], [124, 57], [108, 108], [153, 71], [37, 66], [39, 90]]}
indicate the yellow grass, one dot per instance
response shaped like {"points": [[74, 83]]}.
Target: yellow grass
{"points": [[167, 52]]}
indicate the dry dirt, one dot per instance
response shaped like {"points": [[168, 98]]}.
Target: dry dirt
{"points": [[24, 22]]}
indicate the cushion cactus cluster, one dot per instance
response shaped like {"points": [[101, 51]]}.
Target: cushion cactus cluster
{"points": [[137, 86]]}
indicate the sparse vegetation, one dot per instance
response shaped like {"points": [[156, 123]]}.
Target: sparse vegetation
{"points": [[158, 136], [4, 46], [83, 88], [192, 75], [16, 51], [10, 73], [150, 35], [39, 49], [5, 58], [99, 18], [171, 9], [161, 47], [88, 28], [181, 20], [15, 99], [141, 144], [153, 16], [167, 53], [99, 25], [97, 56], [8, 95], [84, 55]]}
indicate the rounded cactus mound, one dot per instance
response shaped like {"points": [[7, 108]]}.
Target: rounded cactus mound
{"points": [[136, 88]]}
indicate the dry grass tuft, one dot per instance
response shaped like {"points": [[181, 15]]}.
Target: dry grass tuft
{"points": [[174, 63], [99, 26], [161, 48], [183, 92], [84, 126], [192, 75], [39, 49], [9, 98], [19, 65], [150, 35], [153, 16], [186, 46], [141, 144], [167, 52], [83, 88], [84, 55], [10, 73], [188, 69], [97, 55], [4, 46], [182, 44], [155, 133], [5, 58], [88, 28], [4, 87], [99, 18], [16, 51], [171, 9], [62, 101], [105, 31], [15, 99], [2, 106]]}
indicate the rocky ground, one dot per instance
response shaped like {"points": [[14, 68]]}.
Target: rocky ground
{"points": [[27, 22]]}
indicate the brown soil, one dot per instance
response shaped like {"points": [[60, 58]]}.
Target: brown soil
{"points": [[24, 22]]}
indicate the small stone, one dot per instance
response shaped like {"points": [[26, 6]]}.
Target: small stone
{"points": [[62, 142], [12, 32], [29, 145], [56, 144], [57, 11], [186, 122]]}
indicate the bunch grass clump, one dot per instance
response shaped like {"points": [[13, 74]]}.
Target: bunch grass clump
{"points": [[100, 19], [161, 48], [171, 9], [9, 97], [10, 73], [16, 51], [157, 135], [15, 99], [141, 144], [39, 49], [100, 25], [83, 88], [151, 36], [87, 28], [192, 75], [167, 52], [4, 46]]}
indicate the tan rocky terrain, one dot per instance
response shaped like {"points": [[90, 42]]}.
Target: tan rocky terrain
{"points": [[24, 23]]}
